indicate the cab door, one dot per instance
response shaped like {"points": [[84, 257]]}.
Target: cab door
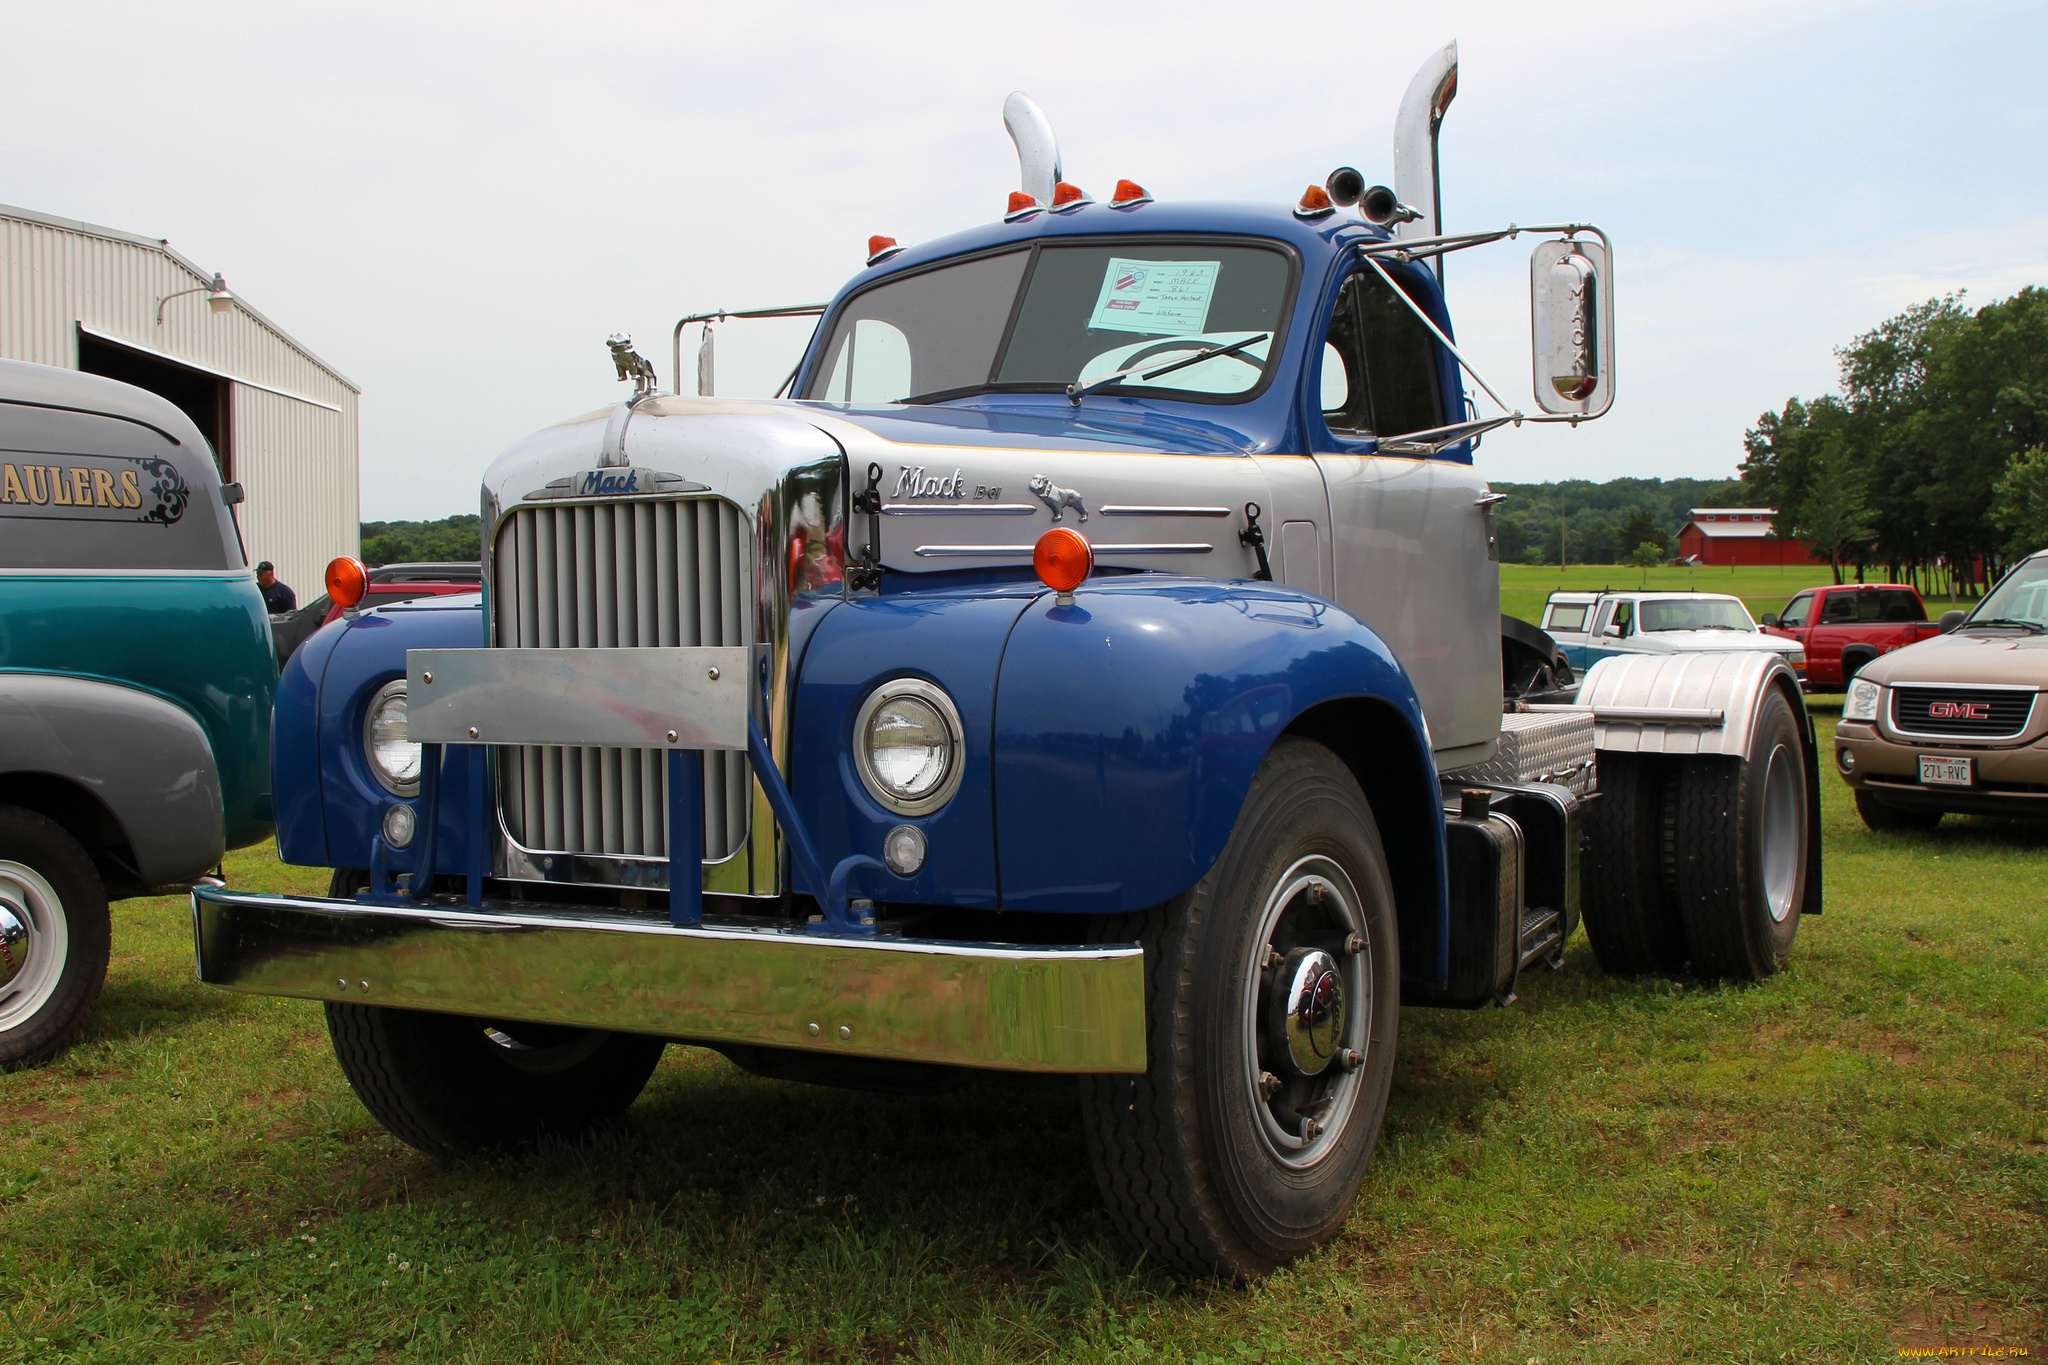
{"points": [[1834, 625], [1411, 548]]}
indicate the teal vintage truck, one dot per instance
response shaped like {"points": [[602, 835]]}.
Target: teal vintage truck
{"points": [[135, 682]]}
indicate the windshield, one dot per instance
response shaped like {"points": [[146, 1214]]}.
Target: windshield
{"points": [[1082, 313], [1696, 613], [2022, 596]]}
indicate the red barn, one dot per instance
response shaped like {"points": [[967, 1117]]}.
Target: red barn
{"points": [[1739, 535]]}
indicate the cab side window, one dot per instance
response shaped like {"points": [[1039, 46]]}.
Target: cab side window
{"points": [[1840, 609], [1624, 619], [1400, 361], [1380, 374], [1346, 406], [1795, 612]]}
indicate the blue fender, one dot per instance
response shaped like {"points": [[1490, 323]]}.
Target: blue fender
{"points": [[951, 637], [335, 803], [1130, 724]]}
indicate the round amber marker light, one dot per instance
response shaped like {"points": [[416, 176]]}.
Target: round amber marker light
{"points": [[1063, 558], [347, 580]]}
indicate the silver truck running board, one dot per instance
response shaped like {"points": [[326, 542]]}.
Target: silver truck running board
{"points": [[993, 1006]]}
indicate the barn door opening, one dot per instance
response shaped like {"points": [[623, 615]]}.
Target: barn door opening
{"points": [[200, 396]]}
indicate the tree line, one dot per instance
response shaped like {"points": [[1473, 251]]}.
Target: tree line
{"points": [[451, 540], [1581, 522], [1929, 463]]}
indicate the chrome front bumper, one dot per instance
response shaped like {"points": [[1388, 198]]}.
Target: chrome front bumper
{"points": [[1000, 1007]]}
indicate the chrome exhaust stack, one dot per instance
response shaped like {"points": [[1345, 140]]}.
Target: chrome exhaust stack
{"points": [[1415, 145], [1038, 151]]}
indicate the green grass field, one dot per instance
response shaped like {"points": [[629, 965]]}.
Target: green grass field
{"points": [[1845, 1161], [1524, 587]]}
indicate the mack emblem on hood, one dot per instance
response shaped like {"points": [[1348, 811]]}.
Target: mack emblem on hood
{"points": [[615, 482]]}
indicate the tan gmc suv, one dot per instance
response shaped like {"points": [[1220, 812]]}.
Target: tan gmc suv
{"points": [[1955, 723]]}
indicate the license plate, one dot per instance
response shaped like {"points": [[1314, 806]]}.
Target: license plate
{"points": [[1947, 772]]}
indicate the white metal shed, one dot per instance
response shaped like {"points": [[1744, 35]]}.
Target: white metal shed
{"points": [[283, 422]]}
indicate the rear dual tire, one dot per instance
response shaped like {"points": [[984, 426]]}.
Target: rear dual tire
{"points": [[1701, 859]]}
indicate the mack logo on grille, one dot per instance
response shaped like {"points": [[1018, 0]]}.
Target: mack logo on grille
{"points": [[1959, 710]]}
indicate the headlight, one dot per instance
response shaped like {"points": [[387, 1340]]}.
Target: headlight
{"points": [[1797, 658], [907, 743], [394, 759], [1861, 703]]}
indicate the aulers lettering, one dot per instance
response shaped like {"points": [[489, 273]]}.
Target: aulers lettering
{"points": [[38, 485]]}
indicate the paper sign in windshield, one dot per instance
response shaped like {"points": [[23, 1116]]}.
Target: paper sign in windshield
{"points": [[1160, 298]]}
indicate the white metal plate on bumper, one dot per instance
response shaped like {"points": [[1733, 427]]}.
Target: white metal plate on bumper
{"points": [[601, 698], [1940, 770]]}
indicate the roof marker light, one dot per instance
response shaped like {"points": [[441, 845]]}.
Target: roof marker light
{"points": [[1066, 198], [881, 249], [1022, 205], [347, 581], [1129, 194], [1315, 203], [1064, 559]]}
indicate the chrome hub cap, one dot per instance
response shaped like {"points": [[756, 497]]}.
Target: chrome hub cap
{"points": [[1784, 824], [1307, 1005], [1311, 1000], [13, 941], [34, 940]]}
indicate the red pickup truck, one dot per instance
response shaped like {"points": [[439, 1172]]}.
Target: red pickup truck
{"points": [[1844, 628]]}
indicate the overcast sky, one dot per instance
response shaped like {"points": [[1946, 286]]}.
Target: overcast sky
{"points": [[455, 204]]}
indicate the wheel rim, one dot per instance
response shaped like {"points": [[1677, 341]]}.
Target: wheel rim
{"points": [[1302, 1088], [543, 1049], [36, 941], [1784, 821]]}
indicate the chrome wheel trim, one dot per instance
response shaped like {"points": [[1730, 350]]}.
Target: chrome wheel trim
{"points": [[545, 1058], [1783, 824], [43, 942], [1330, 1096]]}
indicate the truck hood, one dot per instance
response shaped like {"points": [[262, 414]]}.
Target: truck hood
{"points": [[961, 487], [1992, 656]]}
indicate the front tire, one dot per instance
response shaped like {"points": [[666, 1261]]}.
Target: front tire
{"points": [[1272, 1002], [454, 1086], [55, 935]]}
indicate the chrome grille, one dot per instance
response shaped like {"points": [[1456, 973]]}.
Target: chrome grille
{"points": [[1961, 712], [619, 575]]}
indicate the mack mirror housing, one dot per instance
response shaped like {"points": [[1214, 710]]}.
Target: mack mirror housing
{"points": [[1571, 307]]}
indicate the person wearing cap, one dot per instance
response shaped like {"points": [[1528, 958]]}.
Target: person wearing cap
{"points": [[276, 596]]}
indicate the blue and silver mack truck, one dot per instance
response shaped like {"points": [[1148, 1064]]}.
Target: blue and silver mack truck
{"points": [[1094, 665]]}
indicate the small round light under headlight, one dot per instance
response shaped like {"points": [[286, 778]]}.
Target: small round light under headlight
{"points": [[903, 850], [1847, 759], [907, 746], [399, 824], [394, 759]]}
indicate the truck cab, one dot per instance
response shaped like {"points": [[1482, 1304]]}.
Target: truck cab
{"points": [[1094, 666]]}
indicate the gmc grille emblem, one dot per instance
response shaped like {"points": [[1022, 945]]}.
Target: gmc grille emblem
{"points": [[1958, 710]]}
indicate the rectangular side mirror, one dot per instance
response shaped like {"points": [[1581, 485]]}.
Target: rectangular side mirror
{"points": [[1571, 306], [1770, 618]]}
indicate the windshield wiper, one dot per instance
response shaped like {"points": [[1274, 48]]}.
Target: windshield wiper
{"points": [[1076, 391], [2032, 627]]}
